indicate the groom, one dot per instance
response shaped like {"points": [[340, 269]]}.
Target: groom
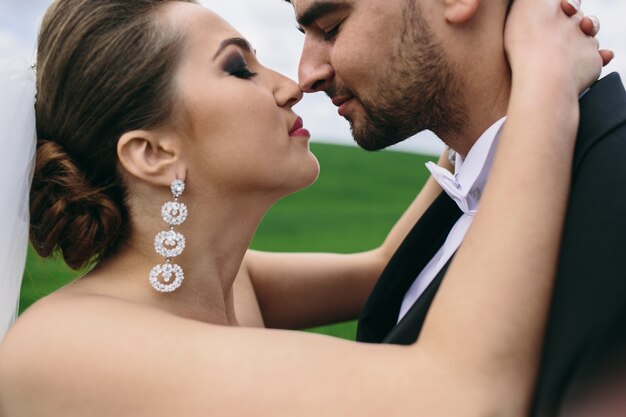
{"points": [[395, 68]]}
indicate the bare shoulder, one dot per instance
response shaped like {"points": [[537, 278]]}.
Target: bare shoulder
{"points": [[80, 344], [70, 324], [65, 317], [97, 356]]}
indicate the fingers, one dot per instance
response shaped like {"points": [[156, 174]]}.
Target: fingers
{"points": [[590, 25], [607, 56], [570, 7]]}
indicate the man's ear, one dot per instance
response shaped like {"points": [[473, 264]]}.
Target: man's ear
{"points": [[460, 11], [153, 157]]}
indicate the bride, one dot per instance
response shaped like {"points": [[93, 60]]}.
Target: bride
{"points": [[162, 142]]}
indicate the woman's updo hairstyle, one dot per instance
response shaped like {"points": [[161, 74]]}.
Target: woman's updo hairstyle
{"points": [[104, 67]]}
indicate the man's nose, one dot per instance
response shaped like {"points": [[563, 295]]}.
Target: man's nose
{"points": [[315, 72]]}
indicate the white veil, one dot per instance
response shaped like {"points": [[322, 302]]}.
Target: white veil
{"points": [[18, 141]]}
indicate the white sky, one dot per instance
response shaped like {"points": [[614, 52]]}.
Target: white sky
{"points": [[270, 26]]}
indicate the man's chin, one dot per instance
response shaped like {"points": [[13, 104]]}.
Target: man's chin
{"points": [[373, 144], [372, 139]]}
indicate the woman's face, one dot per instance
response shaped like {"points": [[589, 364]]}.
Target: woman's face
{"points": [[241, 134]]}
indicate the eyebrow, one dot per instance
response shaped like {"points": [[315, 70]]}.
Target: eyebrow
{"points": [[317, 10], [240, 42]]}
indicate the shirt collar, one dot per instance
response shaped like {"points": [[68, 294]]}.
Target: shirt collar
{"points": [[472, 171], [465, 187]]}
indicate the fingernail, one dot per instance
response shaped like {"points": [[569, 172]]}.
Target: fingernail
{"points": [[595, 22], [574, 3]]}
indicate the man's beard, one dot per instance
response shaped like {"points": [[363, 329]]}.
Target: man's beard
{"points": [[421, 91]]}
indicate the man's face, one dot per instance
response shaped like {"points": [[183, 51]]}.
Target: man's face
{"points": [[381, 64]]}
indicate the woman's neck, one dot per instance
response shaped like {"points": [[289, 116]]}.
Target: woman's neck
{"points": [[217, 235]]}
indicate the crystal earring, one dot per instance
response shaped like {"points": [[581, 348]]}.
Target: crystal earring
{"points": [[170, 243]]}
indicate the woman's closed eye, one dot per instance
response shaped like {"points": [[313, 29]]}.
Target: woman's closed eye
{"points": [[236, 66]]}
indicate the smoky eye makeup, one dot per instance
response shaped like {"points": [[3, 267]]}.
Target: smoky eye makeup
{"points": [[235, 64]]}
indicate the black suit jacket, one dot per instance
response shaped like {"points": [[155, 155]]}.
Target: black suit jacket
{"points": [[590, 287]]}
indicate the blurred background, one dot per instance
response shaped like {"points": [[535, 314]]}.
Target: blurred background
{"points": [[359, 196]]}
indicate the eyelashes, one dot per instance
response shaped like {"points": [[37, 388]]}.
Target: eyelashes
{"points": [[236, 66], [331, 33], [327, 35]]}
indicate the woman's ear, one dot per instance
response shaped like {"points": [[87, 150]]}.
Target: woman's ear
{"points": [[151, 156], [460, 11]]}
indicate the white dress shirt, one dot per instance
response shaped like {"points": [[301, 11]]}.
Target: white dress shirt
{"points": [[465, 188]]}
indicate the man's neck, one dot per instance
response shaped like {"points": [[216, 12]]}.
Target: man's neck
{"points": [[477, 53], [486, 103]]}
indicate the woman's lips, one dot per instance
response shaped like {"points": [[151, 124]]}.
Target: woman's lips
{"points": [[298, 129]]}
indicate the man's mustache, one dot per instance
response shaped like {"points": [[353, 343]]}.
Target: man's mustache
{"points": [[338, 91]]}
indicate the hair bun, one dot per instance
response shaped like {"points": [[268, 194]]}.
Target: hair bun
{"points": [[68, 214]]}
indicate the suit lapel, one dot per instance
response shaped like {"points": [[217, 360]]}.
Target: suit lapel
{"points": [[382, 308], [407, 330], [602, 110]]}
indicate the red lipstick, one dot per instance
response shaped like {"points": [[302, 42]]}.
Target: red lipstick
{"points": [[298, 129]]}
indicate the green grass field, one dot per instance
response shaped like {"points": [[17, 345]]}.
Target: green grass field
{"points": [[352, 206]]}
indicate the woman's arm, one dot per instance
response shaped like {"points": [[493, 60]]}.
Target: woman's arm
{"points": [[299, 290], [522, 210], [476, 355]]}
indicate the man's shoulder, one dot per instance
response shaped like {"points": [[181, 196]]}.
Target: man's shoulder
{"points": [[602, 116]]}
